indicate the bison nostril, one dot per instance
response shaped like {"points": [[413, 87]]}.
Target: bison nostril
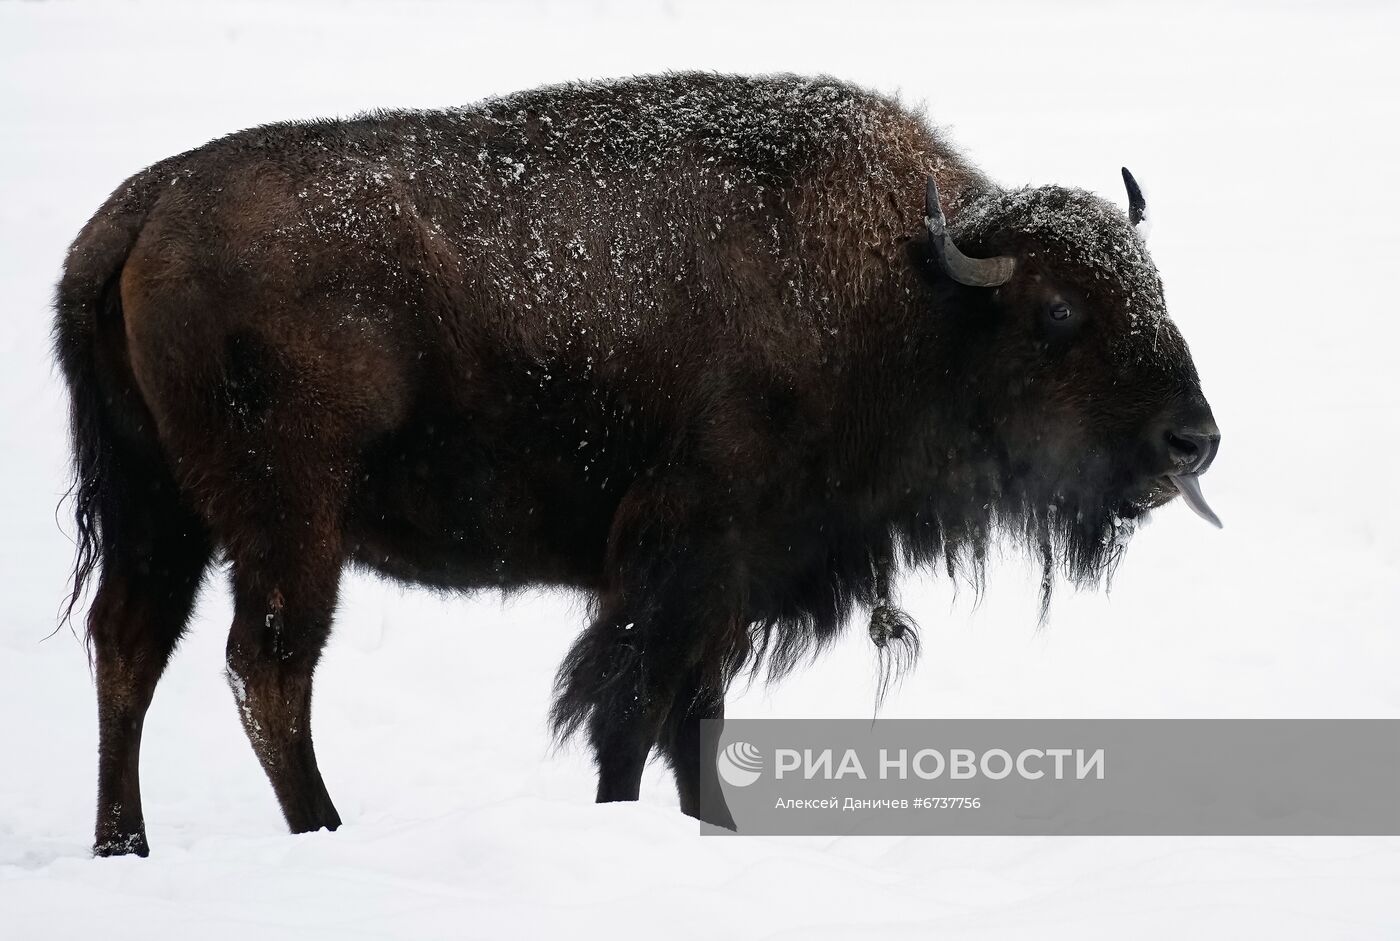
{"points": [[1191, 450], [1183, 449]]}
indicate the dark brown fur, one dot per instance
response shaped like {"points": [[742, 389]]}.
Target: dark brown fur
{"points": [[675, 342]]}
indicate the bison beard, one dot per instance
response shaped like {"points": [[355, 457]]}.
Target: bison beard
{"points": [[703, 348]]}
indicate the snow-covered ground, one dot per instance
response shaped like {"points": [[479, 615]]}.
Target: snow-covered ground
{"points": [[1266, 138]]}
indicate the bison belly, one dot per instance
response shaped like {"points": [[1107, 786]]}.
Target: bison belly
{"points": [[455, 501]]}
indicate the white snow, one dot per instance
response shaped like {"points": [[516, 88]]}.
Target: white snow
{"points": [[1268, 134]]}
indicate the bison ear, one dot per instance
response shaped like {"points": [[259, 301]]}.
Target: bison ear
{"points": [[1137, 204], [974, 272]]}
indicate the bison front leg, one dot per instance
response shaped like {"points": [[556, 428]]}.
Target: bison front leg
{"points": [[693, 762], [619, 683], [651, 681], [666, 619]]}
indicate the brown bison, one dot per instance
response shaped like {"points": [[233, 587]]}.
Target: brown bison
{"points": [[705, 348]]}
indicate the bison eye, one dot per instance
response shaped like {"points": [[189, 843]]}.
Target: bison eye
{"points": [[1060, 312]]}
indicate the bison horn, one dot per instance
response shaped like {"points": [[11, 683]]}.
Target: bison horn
{"points": [[974, 272], [1137, 204]]}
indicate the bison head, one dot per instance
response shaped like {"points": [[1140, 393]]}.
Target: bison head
{"points": [[1087, 407]]}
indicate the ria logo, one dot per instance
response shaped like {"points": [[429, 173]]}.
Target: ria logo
{"points": [[740, 764]]}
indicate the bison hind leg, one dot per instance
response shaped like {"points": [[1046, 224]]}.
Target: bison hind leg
{"points": [[286, 568], [151, 564]]}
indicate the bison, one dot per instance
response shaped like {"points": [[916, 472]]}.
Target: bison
{"points": [[722, 353]]}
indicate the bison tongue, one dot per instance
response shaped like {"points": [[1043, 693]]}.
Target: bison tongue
{"points": [[1190, 487]]}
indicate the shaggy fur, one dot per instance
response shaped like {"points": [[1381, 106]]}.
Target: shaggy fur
{"points": [[678, 342]]}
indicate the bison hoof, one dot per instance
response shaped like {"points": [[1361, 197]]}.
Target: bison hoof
{"points": [[714, 816], [130, 844]]}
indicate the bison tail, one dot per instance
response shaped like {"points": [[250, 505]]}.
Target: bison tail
{"points": [[90, 346]]}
